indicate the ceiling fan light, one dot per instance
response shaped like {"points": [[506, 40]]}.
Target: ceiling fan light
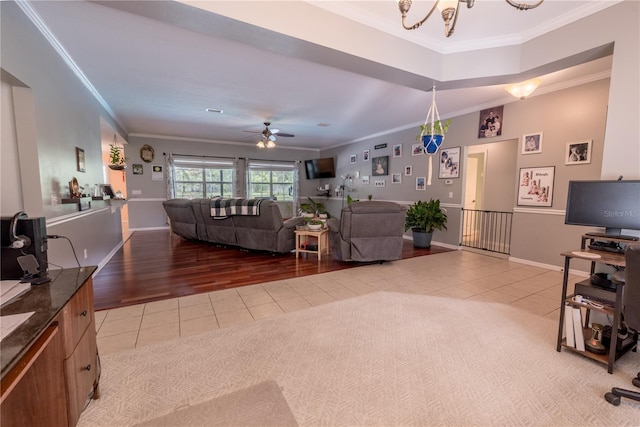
{"points": [[260, 144], [271, 144], [523, 89]]}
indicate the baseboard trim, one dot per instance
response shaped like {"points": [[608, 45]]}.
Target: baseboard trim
{"points": [[164, 227], [108, 257]]}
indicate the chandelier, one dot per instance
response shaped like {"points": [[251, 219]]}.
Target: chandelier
{"points": [[449, 11]]}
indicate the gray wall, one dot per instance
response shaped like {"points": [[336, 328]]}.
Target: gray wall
{"points": [[145, 196], [52, 113], [574, 114]]}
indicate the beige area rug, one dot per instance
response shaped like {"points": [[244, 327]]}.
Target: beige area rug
{"points": [[382, 359], [259, 405]]}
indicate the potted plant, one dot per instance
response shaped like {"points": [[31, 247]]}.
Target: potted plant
{"points": [[117, 160], [432, 134], [423, 218], [312, 208], [314, 224]]}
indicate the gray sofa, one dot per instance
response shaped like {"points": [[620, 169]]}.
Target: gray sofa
{"points": [[368, 231], [192, 220]]}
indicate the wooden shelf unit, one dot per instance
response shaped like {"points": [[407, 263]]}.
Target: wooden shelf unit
{"points": [[614, 308]]}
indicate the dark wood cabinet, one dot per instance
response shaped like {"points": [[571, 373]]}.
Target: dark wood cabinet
{"points": [[31, 394], [47, 382]]}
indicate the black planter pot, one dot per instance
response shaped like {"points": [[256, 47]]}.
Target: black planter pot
{"points": [[422, 239]]}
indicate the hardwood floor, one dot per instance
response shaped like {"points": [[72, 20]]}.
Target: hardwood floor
{"points": [[152, 266]]}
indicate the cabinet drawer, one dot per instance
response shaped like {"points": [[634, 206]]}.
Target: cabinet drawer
{"points": [[81, 370], [77, 316]]}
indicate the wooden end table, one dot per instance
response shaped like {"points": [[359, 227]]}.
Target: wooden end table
{"points": [[322, 235]]}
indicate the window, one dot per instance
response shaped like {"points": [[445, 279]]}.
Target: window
{"points": [[272, 180], [197, 178]]}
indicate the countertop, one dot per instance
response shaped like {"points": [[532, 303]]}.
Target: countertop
{"points": [[46, 301]]}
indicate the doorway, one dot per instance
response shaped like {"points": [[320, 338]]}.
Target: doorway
{"points": [[475, 167], [116, 178]]}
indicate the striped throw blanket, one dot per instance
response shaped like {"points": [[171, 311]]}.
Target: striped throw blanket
{"points": [[222, 208]]}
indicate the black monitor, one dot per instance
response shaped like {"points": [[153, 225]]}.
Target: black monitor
{"points": [[614, 205], [320, 168]]}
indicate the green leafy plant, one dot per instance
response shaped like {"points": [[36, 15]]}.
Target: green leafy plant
{"points": [[313, 221], [116, 156], [351, 199], [426, 216], [313, 207], [438, 127]]}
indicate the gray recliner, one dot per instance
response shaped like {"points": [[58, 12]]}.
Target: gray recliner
{"points": [[368, 231]]}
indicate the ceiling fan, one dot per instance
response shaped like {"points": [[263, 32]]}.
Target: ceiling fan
{"points": [[269, 136]]}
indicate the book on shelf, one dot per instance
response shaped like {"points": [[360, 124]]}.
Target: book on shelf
{"points": [[568, 326], [577, 328]]}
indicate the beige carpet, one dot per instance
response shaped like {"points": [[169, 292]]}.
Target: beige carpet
{"points": [[259, 405], [379, 359]]}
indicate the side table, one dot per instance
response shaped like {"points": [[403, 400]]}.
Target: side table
{"points": [[302, 236]]}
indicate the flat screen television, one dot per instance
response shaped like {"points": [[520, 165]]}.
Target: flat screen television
{"points": [[614, 205], [320, 168]]}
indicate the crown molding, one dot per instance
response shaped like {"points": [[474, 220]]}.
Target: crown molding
{"points": [[66, 57], [212, 141]]}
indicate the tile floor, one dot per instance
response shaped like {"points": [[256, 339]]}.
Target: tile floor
{"points": [[458, 274]]}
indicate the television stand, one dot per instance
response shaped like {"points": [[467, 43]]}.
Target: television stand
{"points": [[610, 236]]}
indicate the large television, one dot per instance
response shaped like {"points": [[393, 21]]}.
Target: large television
{"points": [[614, 205], [320, 168]]}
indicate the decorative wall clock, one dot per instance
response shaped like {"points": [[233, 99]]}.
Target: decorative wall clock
{"points": [[147, 153]]}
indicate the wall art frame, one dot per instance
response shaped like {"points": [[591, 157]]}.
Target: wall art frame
{"points": [[449, 163], [397, 150], [535, 187], [380, 166], [532, 143], [578, 153], [80, 160], [491, 122], [417, 149]]}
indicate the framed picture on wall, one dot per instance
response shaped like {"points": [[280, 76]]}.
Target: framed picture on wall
{"points": [[365, 179], [137, 169], [420, 183], [396, 178], [532, 143], [578, 153], [380, 166], [365, 156], [408, 170], [491, 122], [379, 183], [80, 160], [353, 158], [449, 163], [397, 150], [536, 186], [417, 149]]}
